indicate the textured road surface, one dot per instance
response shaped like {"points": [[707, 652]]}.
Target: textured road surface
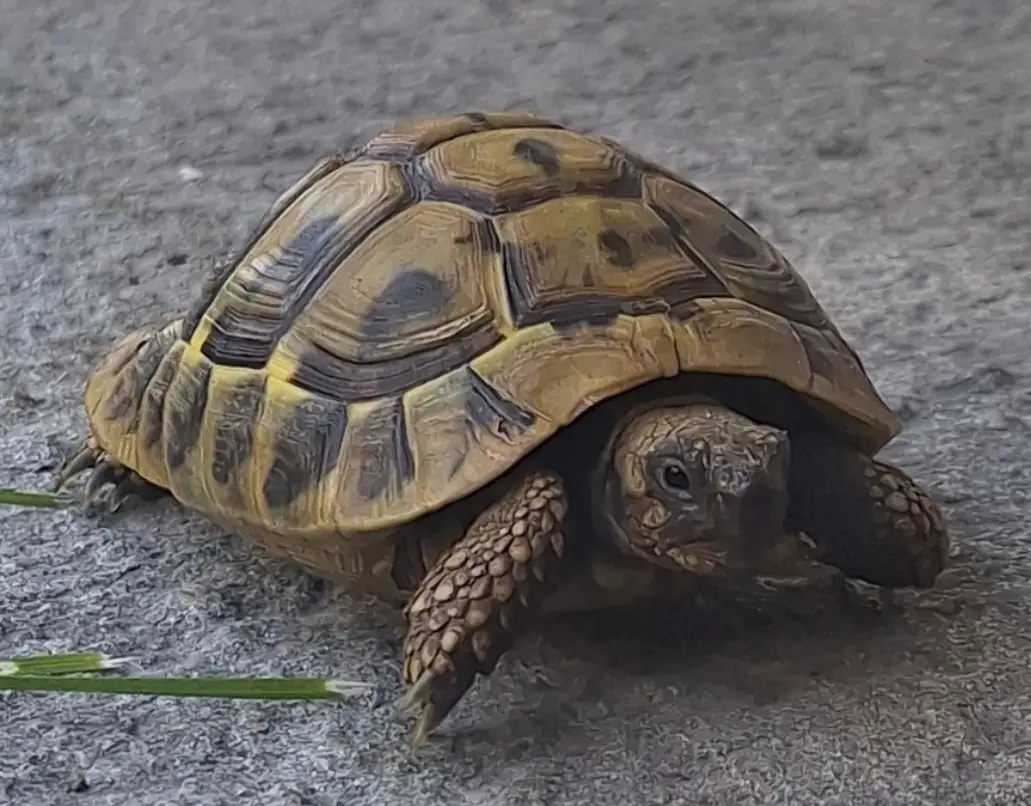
{"points": [[885, 146]]}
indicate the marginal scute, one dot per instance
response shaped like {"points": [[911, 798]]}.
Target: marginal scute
{"points": [[186, 403], [150, 454], [735, 337], [492, 412], [126, 395], [385, 463], [308, 434], [235, 408]]}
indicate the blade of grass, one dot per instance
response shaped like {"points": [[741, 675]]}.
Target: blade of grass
{"points": [[69, 663], [19, 498], [247, 688]]}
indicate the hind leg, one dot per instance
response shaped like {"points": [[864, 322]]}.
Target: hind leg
{"points": [[480, 595], [867, 517], [104, 471]]}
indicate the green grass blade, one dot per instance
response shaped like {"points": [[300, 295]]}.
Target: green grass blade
{"points": [[19, 498], [69, 663], [253, 688]]}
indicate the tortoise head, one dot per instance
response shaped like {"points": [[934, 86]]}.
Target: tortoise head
{"points": [[118, 384], [696, 486]]}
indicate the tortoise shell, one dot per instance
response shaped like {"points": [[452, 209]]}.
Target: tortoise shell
{"points": [[411, 320]]}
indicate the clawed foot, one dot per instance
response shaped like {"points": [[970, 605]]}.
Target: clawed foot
{"points": [[105, 471], [814, 586]]}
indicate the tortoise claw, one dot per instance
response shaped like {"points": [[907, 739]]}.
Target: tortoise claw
{"points": [[416, 702], [129, 485], [104, 471], [85, 457]]}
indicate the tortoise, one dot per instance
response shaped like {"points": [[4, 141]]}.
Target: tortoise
{"points": [[489, 367]]}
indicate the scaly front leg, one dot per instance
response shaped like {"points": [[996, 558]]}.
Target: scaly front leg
{"points": [[480, 595]]}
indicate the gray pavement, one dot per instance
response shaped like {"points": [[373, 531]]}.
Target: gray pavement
{"points": [[885, 146]]}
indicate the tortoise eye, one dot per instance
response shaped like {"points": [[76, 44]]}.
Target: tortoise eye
{"points": [[674, 478]]}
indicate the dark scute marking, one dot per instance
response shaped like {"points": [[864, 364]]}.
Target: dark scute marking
{"points": [[323, 373], [154, 413], [713, 285], [525, 311], [625, 184], [484, 235], [539, 153], [685, 309], [583, 305], [213, 282], [234, 432], [619, 250], [675, 225], [134, 378], [816, 350], [239, 341], [386, 465], [217, 278], [184, 421], [307, 447], [411, 293], [492, 411], [478, 119], [732, 245]]}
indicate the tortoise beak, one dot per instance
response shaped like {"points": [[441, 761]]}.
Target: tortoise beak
{"points": [[750, 509]]}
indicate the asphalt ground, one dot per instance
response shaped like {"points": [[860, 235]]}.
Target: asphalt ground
{"points": [[884, 146]]}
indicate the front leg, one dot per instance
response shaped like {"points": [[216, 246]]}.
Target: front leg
{"points": [[868, 518], [480, 594]]}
